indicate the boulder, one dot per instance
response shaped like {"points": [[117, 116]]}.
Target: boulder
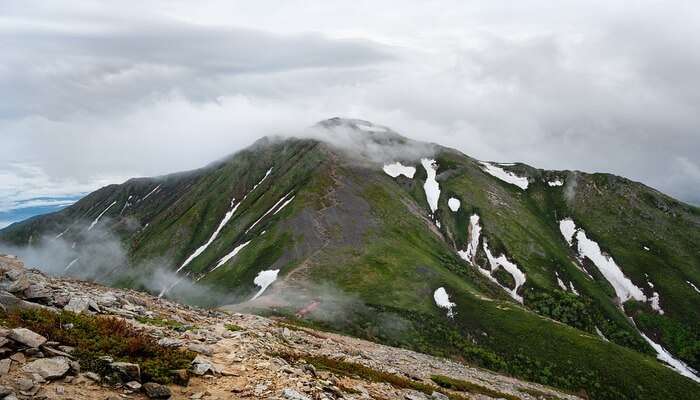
{"points": [[10, 302], [439, 396], [48, 368], [133, 385], [77, 305], [36, 292], [156, 391], [26, 337], [127, 371]]}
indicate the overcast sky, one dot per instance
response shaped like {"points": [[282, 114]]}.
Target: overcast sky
{"points": [[97, 92]]}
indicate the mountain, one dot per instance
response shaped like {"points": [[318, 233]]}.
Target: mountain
{"points": [[574, 280]]}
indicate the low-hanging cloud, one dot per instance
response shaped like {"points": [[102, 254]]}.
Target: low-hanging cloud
{"points": [[593, 87]]}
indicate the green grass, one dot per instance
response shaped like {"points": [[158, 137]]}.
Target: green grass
{"points": [[233, 327], [164, 322], [94, 337]]}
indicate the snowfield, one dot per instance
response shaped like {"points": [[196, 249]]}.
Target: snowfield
{"points": [[454, 204], [431, 186], [505, 176], [396, 169], [92, 225], [442, 299], [677, 365], [264, 279], [624, 288]]}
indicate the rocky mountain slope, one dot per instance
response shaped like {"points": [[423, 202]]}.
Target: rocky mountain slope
{"points": [[579, 281], [232, 355]]}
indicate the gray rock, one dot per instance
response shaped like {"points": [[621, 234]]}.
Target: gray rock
{"points": [[156, 391], [27, 337], [439, 396], [133, 385], [5, 366], [201, 365], [201, 349], [128, 371], [93, 376], [48, 368], [77, 305], [10, 302], [5, 391], [291, 394], [415, 396], [19, 358], [170, 342], [25, 384], [36, 292]]}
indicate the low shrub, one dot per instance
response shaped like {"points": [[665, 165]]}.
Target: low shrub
{"points": [[95, 337]]}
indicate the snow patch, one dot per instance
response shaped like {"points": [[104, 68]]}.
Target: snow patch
{"points": [[654, 300], [503, 262], [454, 204], [150, 193], [273, 208], [442, 300], [230, 255], [624, 288], [561, 283], [70, 264], [693, 286], [474, 233], [675, 364], [505, 176], [264, 279], [568, 229], [600, 334], [267, 173], [396, 169], [63, 233], [222, 224], [431, 186], [573, 289], [646, 248], [555, 183], [92, 225]]}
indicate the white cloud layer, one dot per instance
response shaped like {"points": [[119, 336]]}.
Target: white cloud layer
{"points": [[96, 92]]}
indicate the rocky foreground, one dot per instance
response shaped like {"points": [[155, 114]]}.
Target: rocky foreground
{"points": [[234, 355]]}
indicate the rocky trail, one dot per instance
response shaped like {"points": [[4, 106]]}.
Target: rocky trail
{"points": [[236, 356]]}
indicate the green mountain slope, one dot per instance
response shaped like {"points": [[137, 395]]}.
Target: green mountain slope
{"points": [[325, 232]]}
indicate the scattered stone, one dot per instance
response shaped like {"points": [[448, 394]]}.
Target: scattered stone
{"points": [[133, 385], [60, 390], [291, 394], [27, 337], [93, 376], [25, 384], [77, 305], [439, 396], [415, 396], [156, 391], [48, 368], [5, 391], [18, 358], [5, 366], [170, 342], [128, 371], [201, 349]]}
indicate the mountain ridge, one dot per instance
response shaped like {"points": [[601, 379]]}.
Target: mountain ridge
{"points": [[336, 237]]}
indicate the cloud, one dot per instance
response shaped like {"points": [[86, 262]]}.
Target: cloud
{"points": [[103, 91]]}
